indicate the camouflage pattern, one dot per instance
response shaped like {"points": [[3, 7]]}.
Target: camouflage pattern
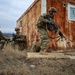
{"points": [[19, 40], [44, 38], [45, 23], [42, 26], [42, 22]]}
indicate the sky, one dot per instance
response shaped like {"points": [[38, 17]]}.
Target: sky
{"points": [[10, 11]]}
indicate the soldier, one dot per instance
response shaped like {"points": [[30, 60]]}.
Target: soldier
{"points": [[44, 24], [19, 39], [3, 39]]}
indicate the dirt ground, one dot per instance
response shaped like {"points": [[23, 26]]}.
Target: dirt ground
{"points": [[15, 62]]}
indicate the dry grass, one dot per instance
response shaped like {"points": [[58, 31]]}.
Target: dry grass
{"points": [[14, 53], [14, 62], [15, 70]]}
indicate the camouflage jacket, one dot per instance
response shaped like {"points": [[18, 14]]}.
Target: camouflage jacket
{"points": [[44, 20], [19, 38]]}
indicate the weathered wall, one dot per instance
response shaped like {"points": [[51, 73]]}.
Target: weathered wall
{"points": [[67, 27], [30, 17]]}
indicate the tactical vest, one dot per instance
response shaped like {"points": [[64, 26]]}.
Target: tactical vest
{"points": [[42, 23]]}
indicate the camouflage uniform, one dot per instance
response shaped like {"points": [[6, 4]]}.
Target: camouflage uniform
{"points": [[41, 27], [20, 40], [44, 23]]}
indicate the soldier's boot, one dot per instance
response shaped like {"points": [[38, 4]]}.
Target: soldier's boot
{"points": [[37, 48]]}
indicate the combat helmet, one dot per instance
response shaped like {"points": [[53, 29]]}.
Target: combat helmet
{"points": [[53, 9], [17, 28]]}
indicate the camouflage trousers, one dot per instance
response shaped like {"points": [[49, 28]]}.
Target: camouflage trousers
{"points": [[19, 45], [44, 38]]}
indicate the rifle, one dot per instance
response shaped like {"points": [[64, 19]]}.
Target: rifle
{"points": [[53, 26], [56, 29], [15, 37]]}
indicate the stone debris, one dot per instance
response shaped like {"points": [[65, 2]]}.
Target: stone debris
{"points": [[32, 66]]}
